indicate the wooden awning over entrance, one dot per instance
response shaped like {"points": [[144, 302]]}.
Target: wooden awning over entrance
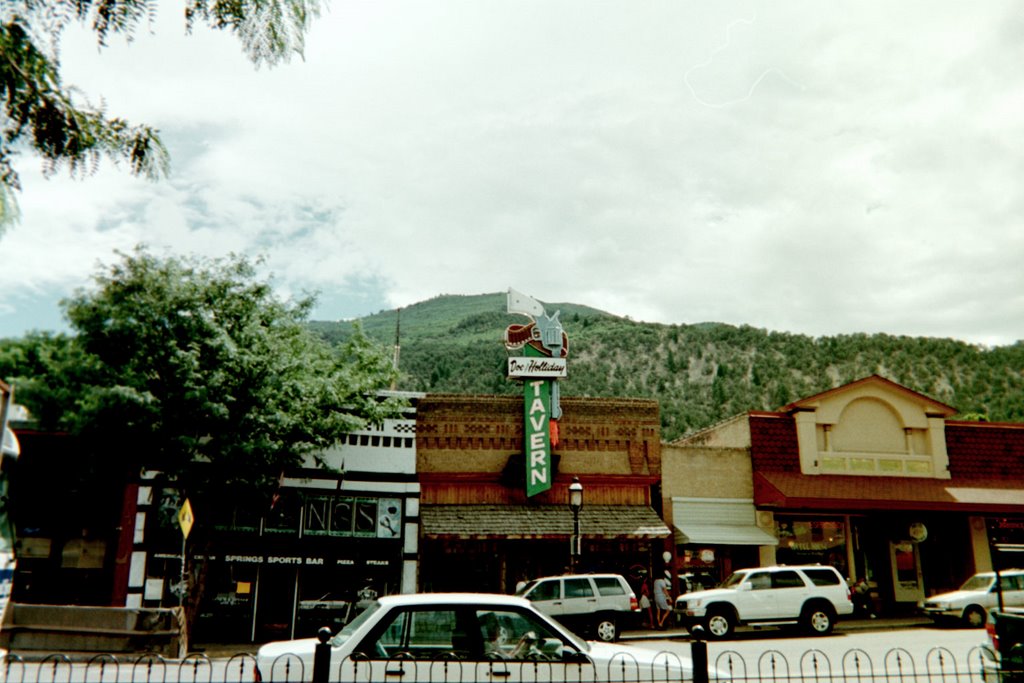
{"points": [[540, 522]]}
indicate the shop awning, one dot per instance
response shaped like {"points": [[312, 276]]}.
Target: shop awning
{"points": [[539, 521], [791, 490], [718, 521]]}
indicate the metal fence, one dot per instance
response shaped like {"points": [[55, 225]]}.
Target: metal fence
{"points": [[856, 666], [770, 666]]}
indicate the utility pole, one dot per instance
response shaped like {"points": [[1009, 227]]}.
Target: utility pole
{"points": [[398, 346]]}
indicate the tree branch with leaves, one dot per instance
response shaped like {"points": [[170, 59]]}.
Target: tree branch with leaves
{"points": [[41, 113]]}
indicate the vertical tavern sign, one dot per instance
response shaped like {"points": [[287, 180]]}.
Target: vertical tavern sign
{"points": [[537, 435], [541, 347]]}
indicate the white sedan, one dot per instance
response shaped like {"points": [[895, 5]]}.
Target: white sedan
{"points": [[466, 637]]}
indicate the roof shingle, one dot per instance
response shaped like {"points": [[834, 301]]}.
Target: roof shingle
{"points": [[540, 521]]}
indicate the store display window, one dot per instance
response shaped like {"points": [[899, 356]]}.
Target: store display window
{"points": [[805, 540]]}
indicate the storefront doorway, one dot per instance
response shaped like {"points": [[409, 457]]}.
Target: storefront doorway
{"points": [[905, 561], [275, 602]]}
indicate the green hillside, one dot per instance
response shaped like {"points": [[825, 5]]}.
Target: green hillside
{"points": [[481, 316], [699, 373]]}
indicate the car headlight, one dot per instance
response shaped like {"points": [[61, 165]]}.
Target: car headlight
{"points": [[693, 604]]}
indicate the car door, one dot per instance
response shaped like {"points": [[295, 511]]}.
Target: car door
{"points": [[758, 601], [546, 596], [790, 592], [1013, 590], [416, 643], [579, 596], [613, 593], [518, 646], [579, 603]]}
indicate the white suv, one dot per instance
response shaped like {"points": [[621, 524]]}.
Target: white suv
{"points": [[971, 602], [812, 596], [589, 603]]}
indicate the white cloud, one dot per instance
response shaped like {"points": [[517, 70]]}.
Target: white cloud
{"points": [[811, 168]]}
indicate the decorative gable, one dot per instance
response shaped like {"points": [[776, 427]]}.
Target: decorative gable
{"points": [[872, 427]]}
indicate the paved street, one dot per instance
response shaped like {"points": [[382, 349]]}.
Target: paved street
{"points": [[844, 626]]}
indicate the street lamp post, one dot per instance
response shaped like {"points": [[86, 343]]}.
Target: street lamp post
{"points": [[575, 504]]}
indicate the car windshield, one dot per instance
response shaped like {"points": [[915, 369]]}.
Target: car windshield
{"points": [[733, 580], [978, 582], [581, 644], [350, 628]]}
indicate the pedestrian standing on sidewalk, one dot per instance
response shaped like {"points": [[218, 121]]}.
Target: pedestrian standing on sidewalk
{"points": [[663, 598], [645, 604], [862, 603]]}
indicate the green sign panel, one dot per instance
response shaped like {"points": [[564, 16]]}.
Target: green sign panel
{"points": [[543, 346], [537, 435]]}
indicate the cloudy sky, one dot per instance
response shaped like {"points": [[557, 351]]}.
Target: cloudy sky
{"points": [[811, 167]]}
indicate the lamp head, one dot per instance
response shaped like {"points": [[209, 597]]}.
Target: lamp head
{"points": [[575, 494]]}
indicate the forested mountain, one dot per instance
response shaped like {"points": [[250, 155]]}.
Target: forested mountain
{"points": [[699, 373]]}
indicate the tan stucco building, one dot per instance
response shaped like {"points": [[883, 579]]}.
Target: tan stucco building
{"points": [[871, 477]]}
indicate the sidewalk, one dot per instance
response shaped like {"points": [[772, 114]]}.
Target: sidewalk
{"points": [[881, 624]]}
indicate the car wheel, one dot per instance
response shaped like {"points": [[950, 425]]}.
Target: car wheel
{"points": [[719, 624], [606, 629], [818, 620], [974, 617]]}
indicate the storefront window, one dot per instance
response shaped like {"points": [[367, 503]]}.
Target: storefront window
{"points": [[326, 598], [240, 519], [227, 608], [348, 516], [283, 517], [811, 541], [162, 528]]}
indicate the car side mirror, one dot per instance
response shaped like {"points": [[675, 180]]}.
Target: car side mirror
{"points": [[745, 587], [551, 647]]}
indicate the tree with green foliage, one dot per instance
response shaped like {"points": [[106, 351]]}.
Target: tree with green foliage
{"points": [[192, 367], [42, 112]]}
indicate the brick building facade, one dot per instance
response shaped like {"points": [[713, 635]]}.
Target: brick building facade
{"points": [[479, 531]]}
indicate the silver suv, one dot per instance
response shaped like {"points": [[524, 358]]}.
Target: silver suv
{"points": [[811, 596], [595, 604]]}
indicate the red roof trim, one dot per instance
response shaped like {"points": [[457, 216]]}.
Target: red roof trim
{"points": [[793, 491], [985, 425]]}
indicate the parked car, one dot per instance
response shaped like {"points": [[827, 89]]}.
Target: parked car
{"points": [[811, 596], [429, 637], [591, 604], [969, 604], [1003, 654]]}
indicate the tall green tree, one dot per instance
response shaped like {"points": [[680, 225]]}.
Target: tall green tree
{"points": [[41, 112], [195, 368]]}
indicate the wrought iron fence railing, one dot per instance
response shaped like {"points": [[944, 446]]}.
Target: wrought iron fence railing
{"points": [[897, 665]]}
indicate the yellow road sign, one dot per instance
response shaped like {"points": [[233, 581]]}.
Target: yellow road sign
{"points": [[185, 518]]}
